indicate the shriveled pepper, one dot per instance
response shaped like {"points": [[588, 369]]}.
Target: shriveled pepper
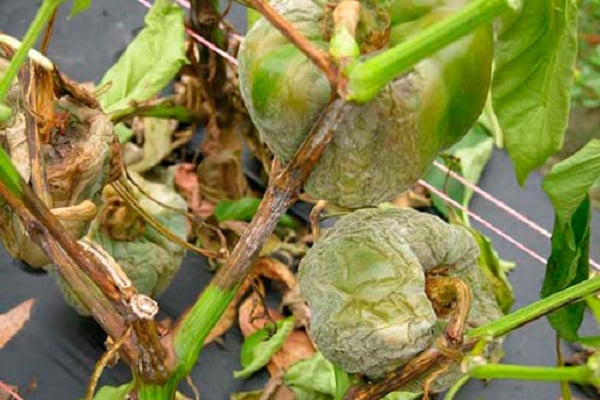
{"points": [[375, 286], [382, 147]]}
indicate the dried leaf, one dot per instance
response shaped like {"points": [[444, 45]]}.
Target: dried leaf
{"points": [[274, 270], [12, 321], [186, 182], [158, 144], [296, 304], [297, 346], [220, 172], [8, 392]]}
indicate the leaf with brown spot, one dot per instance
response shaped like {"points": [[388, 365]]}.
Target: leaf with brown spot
{"points": [[12, 321]]}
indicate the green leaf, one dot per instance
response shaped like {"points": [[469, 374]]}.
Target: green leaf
{"points": [[593, 304], [5, 113], [158, 137], [569, 181], [493, 268], [113, 392], [124, 134], [590, 341], [150, 61], [473, 152], [9, 174], [259, 347], [342, 382], [79, 6], [535, 58], [315, 379], [312, 379], [567, 186], [568, 264], [244, 209]]}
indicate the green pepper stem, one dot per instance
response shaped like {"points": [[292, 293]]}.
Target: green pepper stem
{"points": [[535, 310], [41, 18], [367, 78], [579, 374], [147, 391]]}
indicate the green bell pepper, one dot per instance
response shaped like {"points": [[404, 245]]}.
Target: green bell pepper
{"points": [[382, 147]]}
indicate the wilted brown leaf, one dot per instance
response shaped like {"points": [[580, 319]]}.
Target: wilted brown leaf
{"points": [[158, 143], [415, 197], [297, 346], [293, 301], [9, 392], [275, 270], [186, 182], [12, 321]]}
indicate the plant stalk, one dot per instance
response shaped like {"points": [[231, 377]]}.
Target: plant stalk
{"points": [[42, 17], [535, 310], [284, 187], [367, 78], [85, 274], [580, 374]]}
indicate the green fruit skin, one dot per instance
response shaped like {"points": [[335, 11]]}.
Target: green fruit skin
{"points": [[364, 281], [380, 148]]}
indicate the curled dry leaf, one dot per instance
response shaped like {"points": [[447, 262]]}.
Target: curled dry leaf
{"points": [[297, 305], [9, 392], [12, 321], [158, 143], [186, 182], [274, 270]]}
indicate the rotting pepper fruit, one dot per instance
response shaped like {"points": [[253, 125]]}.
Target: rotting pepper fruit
{"points": [[364, 281], [382, 147], [149, 259]]}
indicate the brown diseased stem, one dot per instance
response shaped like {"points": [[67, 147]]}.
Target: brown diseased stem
{"points": [[284, 186], [318, 57], [96, 290]]}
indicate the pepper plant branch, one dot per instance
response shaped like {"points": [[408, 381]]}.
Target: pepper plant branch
{"points": [[582, 374], [44, 13], [396, 379], [318, 57], [367, 78], [97, 290], [32, 79], [284, 187], [535, 310]]}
